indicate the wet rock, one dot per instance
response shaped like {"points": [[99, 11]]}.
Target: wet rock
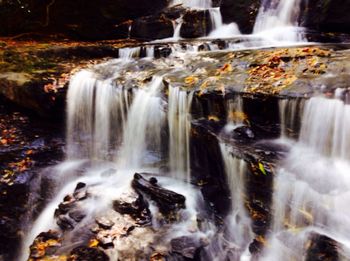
{"points": [[167, 201], [105, 241], [64, 207], [208, 168], [87, 253], [138, 209], [243, 133], [322, 248], [80, 195], [161, 51], [204, 47], [196, 24], [79, 186], [221, 44], [46, 243], [65, 223], [326, 16], [242, 12], [185, 246], [104, 223], [152, 28], [77, 215]]}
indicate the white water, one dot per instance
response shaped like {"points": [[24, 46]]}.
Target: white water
{"points": [[278, 20], [238, 222], [196, 4], [145, 120], [312, 188], [103, 124], [179, 120], [290, 112]]}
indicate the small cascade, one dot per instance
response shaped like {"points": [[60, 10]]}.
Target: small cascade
{"points": [[238, 221], [312, 185], [290, 116], [90, 115], [142, 131], [235, 114], [233, 242], [278, 20], [179, 120], [177, 28], [327, 126]]}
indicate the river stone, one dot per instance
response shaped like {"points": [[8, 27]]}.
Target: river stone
{"points": [[77, 215], [104, 223], [65, 223]]}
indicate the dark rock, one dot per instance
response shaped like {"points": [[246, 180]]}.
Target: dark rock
{"points": [[322, 248], [167, 201], [243, 133], [79, 186], [196, 23], [207, 168], [105, 241], [65, 223], [161, 51], [152, 28], [87, 253], [220, 43], [77, 215], [138, 209], [186, 246], [256, 247], [37, 252], [80, 194], [204, 47], [104, 223], [64, 207], [326, 16], [242, 12]]}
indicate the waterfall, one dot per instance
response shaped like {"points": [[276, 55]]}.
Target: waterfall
{"points": [[290, 116], [278, 20], [238, 220], [90, 115], [144, 124], [179, 120], [329, 139], [312, 185]]}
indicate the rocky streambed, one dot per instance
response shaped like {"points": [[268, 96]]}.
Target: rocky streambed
{"points": [[241, 102]]}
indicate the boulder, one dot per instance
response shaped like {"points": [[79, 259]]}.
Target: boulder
{"points": [[152, 28], [168, 202], [326, 16], [242, 12], [196, 23]]}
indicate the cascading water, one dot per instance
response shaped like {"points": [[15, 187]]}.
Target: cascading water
{"points": [[179, 120], [290, 116], [238, 222], [312, 190], [107, 122], [145, 120], [278, 20]]}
